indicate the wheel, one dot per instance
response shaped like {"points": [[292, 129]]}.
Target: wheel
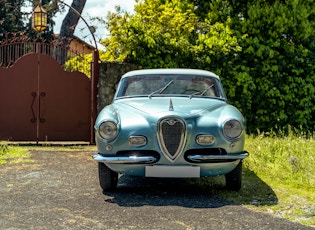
{"points": [[108, 178], [233, 179]]}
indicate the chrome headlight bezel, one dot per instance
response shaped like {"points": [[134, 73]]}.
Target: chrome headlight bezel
{"points": [[232, 129], [108, 130]]}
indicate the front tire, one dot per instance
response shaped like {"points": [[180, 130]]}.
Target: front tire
{"points": [[108, 178], [233, 179]]}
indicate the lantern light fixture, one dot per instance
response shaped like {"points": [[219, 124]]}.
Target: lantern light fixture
{"points": [[39, 22]]}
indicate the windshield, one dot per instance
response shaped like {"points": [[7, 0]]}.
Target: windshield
{"points": [[166, 85]]}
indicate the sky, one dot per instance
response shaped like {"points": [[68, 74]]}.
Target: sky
{"points": [[93, 8]]}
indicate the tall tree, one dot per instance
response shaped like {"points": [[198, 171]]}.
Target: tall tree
{"points": [[167, 33], [47, 35], [273, 79], [15, 20], [68, 26], [274, 75], [11, 17], [264, 51]]}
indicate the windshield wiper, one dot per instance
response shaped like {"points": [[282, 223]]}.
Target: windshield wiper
{"points": [[159, 91], [201, 93]]}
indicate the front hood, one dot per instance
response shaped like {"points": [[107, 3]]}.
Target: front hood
{"points": [[177, 105]]}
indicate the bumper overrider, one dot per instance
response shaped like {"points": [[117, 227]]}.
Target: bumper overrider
{"points": [[197, 158]]}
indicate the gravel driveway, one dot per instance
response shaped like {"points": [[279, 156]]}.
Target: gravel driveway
{"points": [[60, 190]]}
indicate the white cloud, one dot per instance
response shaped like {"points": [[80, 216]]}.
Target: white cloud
{"points": [[93, 8]]}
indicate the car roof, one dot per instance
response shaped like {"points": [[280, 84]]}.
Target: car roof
{"points": [[170, 71]]}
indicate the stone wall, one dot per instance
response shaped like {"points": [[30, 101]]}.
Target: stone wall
{"points": [[109, 76]]}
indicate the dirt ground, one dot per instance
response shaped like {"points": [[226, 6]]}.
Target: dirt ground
{"points": [[60, 190]]}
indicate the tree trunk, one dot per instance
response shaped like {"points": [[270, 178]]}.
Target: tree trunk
{"points": [[68, 26]]}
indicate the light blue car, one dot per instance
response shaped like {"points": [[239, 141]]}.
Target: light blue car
{"points": [[170, 123]]}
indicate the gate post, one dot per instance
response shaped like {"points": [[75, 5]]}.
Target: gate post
{"points": [[94, 92]]}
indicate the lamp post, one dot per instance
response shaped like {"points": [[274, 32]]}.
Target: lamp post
{"points": [[39, 23]]}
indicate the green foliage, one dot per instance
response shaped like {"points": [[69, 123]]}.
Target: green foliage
{"points": [[263, 51], [11, 17], [278, 55], [15, 20], [79, 63], [82, 63], [167, 34]]}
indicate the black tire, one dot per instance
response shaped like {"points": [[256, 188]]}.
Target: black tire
{"points": [[233, 179], [108, 178]]}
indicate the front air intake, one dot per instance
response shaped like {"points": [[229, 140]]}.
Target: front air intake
{"points": [[171, 136]]}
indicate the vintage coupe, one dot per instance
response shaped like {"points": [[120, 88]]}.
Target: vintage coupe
{"points": [[170, 123]]}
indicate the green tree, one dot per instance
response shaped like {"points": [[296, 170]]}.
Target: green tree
{"points": [[168, 34], [263, 50], [274, 75], [272, 79], [11, 17], [51, 7], [68, 26]]}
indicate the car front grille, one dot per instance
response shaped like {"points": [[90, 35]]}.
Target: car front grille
{"points": [[171, 136]]}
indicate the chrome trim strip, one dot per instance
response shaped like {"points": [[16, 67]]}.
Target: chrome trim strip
{"points": [[124, 160], [201, 158]]}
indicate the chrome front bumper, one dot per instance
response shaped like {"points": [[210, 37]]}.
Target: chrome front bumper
{"points": [[151, 159], [206, 158], [125, 160]]}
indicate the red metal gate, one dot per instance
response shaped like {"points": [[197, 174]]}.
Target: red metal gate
{"points": [[39, 101]]}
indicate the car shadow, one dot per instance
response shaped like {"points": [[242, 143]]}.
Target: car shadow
{"points": [[193, 193]]}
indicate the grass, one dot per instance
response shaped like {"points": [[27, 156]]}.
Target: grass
{"points": [[278, 176], [13, 155]]}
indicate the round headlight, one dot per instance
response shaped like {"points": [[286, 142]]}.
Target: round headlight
{"points": [[108, 130], [232, 129]]}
